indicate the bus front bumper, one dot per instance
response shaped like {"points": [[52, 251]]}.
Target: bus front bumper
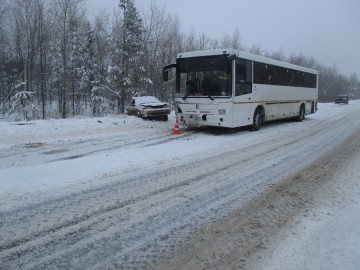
{"points": [[204, 120]]}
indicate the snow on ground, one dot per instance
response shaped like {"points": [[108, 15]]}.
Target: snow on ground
{"points": [[52, 130], [326, 237], [17, 180], [328, 241], [78, 170]]}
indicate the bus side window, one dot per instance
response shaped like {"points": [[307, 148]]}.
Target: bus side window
{"points": [[243, 77]]}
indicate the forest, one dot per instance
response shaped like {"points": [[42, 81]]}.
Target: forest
{"points": [[56, 61]]}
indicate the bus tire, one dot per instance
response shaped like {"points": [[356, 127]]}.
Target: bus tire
{"points": [[301, 114], [257, 120]]}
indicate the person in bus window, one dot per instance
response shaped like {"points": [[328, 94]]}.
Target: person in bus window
{"points": [[211, 83], [191, 87]]}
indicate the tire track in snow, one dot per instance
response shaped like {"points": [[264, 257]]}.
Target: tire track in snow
{"points": [[234, 241], [65, 150]]}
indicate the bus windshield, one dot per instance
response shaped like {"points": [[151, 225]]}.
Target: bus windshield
{"points": [[203, 76]]}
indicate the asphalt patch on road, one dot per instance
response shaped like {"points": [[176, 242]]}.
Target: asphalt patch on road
{"points": [[73, 157], [33, 145], [52, 152]]}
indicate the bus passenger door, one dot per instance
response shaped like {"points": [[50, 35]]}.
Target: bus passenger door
{"points": [[243, 84], [243, 109]]}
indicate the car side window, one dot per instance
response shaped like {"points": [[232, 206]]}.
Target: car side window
{"points": [[133, 102]]}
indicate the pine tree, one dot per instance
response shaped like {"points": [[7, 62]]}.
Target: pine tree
{"points": [[126, 71]]}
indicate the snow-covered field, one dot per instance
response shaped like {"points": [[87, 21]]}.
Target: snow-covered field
{"points": [[119, 191]]}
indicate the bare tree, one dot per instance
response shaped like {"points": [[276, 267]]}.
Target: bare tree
{"points": [[3, 45], [278, 55], [214, 44], [26, 20], [3, 18], [163, 42], [44, 27], [204, 41], [256, 49], [102, 31], [190, 42], [354, 86], [67, 15], [226, 41], [24, 30], [236, 41]]}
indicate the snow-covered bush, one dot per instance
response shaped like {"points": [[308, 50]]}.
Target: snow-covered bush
{"points": [[23, 107]]}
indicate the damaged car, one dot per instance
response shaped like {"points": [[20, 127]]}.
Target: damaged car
{"points": [[149, 107]]}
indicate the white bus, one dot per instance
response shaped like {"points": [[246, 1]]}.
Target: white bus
{"points": [[231, 88]]}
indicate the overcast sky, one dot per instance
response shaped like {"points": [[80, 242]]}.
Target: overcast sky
{"points": [[329, 30]]}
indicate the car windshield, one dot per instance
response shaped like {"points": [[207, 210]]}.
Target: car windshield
{"points": [[203, 76], [342, 96]]}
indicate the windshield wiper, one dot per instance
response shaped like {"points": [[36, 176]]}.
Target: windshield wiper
{"points": [[209, 96]]}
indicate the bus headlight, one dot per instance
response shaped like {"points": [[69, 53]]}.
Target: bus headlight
{"points": [[222, 112]]}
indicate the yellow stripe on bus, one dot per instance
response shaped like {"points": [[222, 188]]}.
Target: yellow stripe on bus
{"points": [[272, 101]]}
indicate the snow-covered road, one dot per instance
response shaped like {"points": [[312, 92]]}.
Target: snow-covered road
{"points": [[121, 192]]}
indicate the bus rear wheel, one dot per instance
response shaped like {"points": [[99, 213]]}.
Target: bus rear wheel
{"points": [[257, 120], [301, 114]]}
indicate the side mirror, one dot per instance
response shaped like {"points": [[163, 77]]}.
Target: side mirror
{"points": [[166, 72], [166, 75]]}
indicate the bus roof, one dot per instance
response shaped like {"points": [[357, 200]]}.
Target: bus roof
{"points": [[245, 55]]}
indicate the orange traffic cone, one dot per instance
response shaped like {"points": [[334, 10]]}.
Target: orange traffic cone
{"points": [[176, 130]]}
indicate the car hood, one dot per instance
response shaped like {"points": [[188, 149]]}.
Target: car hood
{"points": [[153, 104]]}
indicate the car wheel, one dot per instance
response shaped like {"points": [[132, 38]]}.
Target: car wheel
{"points": [[166, 117], [257, 120], [139, 114], [301, 114]]}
